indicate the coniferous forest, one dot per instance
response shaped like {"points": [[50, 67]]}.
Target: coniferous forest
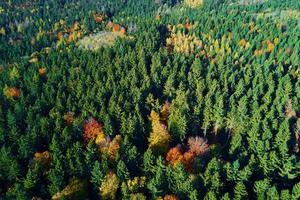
{"points": [[149, 99]]}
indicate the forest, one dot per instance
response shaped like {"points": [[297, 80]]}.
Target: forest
{"points": [[149, 99]]}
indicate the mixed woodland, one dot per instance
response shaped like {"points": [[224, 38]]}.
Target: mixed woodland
{"points": [[149, 99]]}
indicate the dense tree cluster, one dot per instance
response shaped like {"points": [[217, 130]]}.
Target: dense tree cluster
{"points": [[200, 100]]}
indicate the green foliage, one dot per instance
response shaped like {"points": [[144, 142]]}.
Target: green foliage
{"points": [[230, 74]]}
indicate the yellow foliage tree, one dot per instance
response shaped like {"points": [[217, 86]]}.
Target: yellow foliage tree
{"points": [[2, 31], [270, 46], [159, 137], [76, 189], [183, 43], [244, 43], [193, 3], [136, 183], [109, 186], [137, 196]]}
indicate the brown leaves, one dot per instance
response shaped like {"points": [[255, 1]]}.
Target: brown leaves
{"points": [[165, 112], [42, 71], [43, 158], [289, 110], [198, 145], [114, 146], [109, 25], [76, 189], [59, 36], [69, 118], [188, 26]]}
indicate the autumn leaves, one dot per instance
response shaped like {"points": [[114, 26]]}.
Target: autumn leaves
{"points": [[181, 42], [193, 3], [160, 138], [93, 131]]}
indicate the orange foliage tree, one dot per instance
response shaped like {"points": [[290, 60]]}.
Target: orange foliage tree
{"points": [[116, 28], [11, 92], [99, 17], [43, 158], [170, 197], [197, 146], [42, 71], [174, 156], [92, 130], [114, 146], [270, 46], [59, 36], [108, 147]]}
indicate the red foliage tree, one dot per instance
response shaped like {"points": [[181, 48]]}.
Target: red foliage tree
{"points": [[92, 128], [188, 159]]}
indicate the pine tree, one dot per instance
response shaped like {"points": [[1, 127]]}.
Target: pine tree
{"points": [[240, 191]]}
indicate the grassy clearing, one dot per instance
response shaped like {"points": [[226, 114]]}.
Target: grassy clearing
{"points": [[249, 2], [280, 14], [101, 39]]}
